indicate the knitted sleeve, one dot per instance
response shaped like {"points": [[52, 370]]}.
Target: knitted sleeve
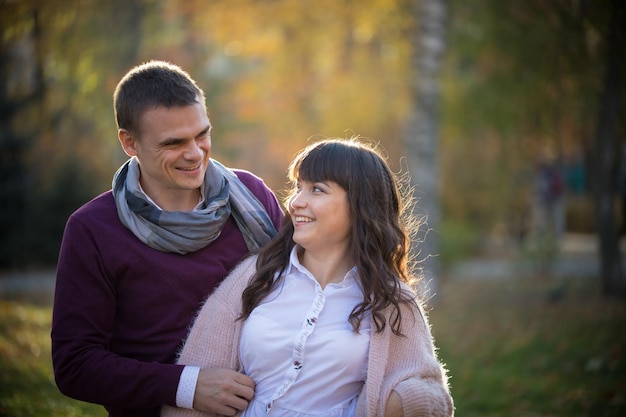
{"points": [[426, 392], [213, 340], [414, 371]]}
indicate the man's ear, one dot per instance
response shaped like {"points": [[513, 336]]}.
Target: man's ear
{"points": [[128, 142]]}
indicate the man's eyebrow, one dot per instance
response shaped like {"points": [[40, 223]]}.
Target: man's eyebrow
{"points": [[204, 131], [174, 140]]}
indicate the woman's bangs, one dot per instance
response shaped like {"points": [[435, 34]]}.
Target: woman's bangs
{"points": [[326, 163]]}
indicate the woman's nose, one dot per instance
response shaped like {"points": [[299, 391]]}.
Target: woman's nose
{"points": [[297, 201]]}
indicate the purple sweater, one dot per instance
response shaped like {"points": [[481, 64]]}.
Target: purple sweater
{"points": [[121, 308]]}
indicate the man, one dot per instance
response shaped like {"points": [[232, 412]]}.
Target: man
{"points": [[137, 262]]}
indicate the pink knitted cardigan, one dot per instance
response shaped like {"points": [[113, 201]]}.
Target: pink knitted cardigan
{"points": [[406, 364]]}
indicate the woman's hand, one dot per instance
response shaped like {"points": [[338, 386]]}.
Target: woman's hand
{"points": [[393, 408]]}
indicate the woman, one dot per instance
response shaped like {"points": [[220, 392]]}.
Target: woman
{"points": [[327, 324]]}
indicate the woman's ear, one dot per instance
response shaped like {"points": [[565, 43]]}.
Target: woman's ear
{"points": [[128, 142]]}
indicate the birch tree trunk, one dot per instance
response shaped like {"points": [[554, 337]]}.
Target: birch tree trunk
{"points": [[421, 141]]}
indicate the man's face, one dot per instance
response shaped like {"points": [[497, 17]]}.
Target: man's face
{"points": [[173, 148]]}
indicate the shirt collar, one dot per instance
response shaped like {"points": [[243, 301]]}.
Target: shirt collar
{"points": [[294, 264]]}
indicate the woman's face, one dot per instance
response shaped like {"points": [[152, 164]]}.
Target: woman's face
{"points": [[321, 216]]}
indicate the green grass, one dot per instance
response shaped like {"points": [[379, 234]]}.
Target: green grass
{"points": [[27, 386], [512, 350], [509, 350]]}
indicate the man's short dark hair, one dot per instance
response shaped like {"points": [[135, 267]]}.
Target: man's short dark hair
{"points": [[151, 85]]}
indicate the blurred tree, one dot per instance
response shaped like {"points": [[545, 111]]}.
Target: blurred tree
{"points": [[421, 138], [607, 148], [51, 91], [22, 90]]}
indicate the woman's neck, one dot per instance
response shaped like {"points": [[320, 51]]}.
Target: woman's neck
{"points": [[326, 269]]}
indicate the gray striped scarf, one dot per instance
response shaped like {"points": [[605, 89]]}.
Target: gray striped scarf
{"points": [[188, 231]]}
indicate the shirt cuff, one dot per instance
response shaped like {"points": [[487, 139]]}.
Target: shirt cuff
{"points": [[187, 387]]}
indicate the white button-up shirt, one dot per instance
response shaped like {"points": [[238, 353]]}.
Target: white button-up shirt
{"points": [[300, 349]]}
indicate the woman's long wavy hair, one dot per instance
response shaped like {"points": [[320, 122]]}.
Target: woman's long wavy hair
{"points": [[380, 230]]}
